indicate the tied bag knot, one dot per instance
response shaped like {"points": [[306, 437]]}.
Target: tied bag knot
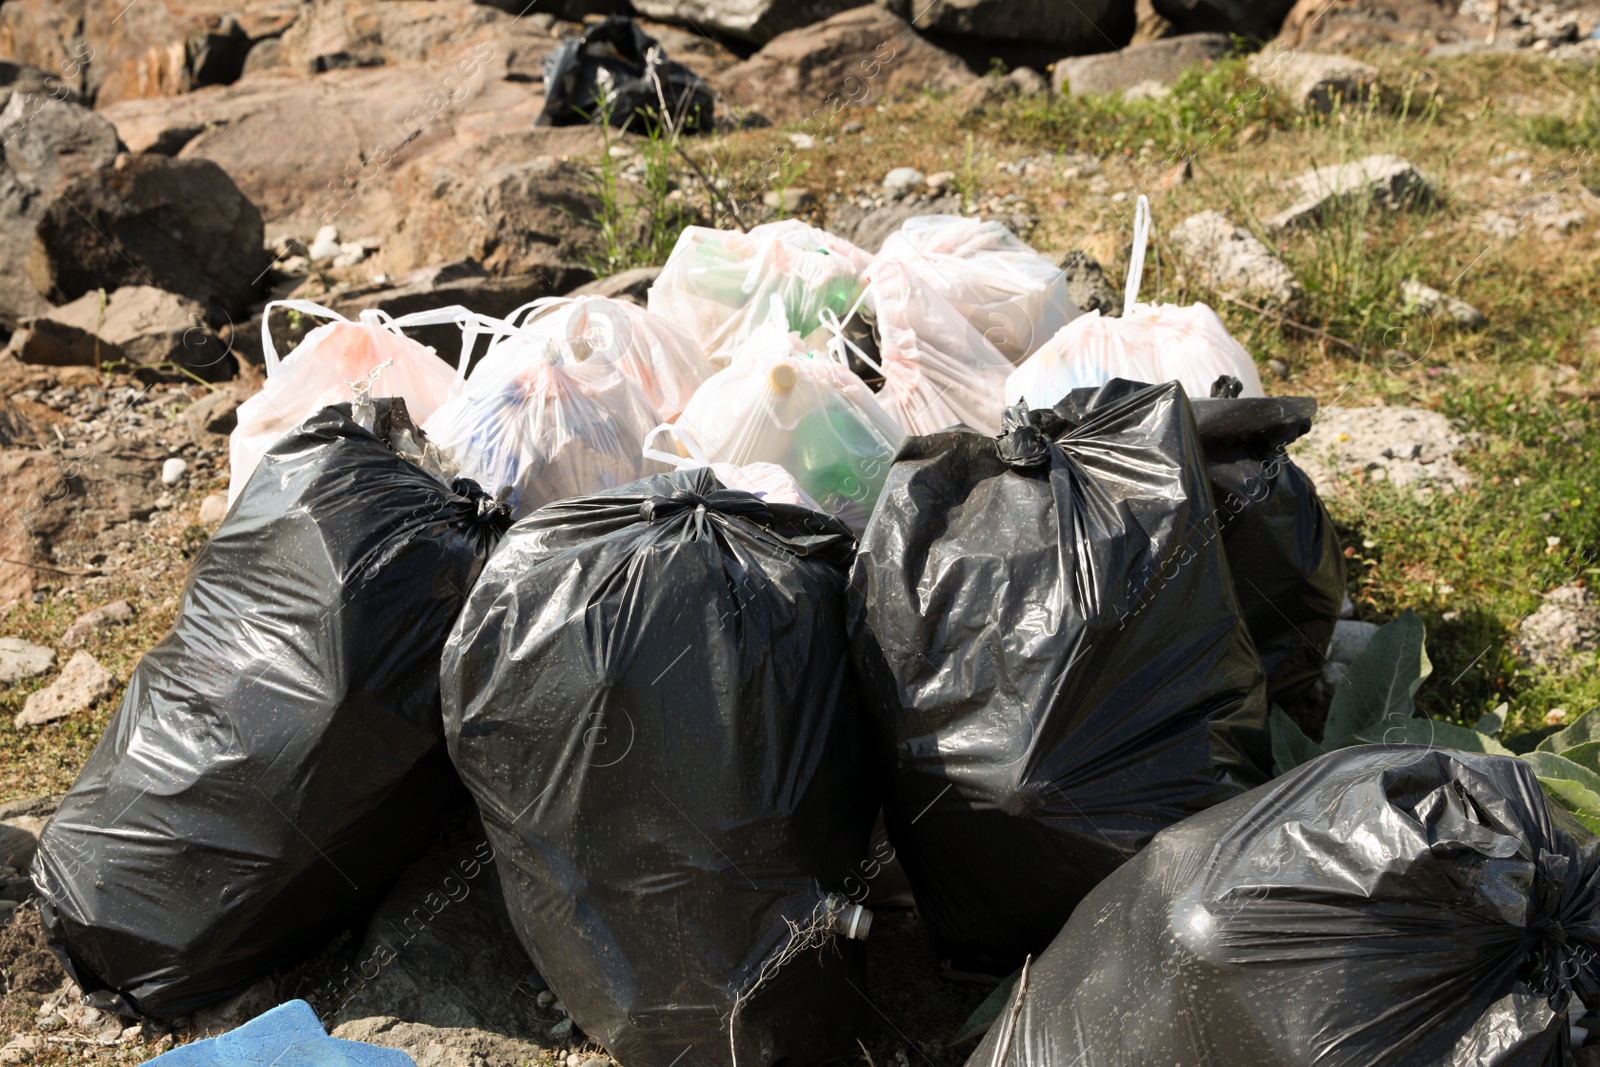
{"points": [[1023, 443], [722, 501]]}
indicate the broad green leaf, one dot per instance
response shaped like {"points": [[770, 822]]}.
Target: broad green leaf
{"points": [[1410, 730], [1550, 765], [1583, 729], [1381, 682], [1290, 745], [1583, 803], [984, 1015], [1491, 722], [1585, 755]]}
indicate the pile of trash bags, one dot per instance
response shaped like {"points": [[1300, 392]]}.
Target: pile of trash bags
{"points": [[684, 599]]}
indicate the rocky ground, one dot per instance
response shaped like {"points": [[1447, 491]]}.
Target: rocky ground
{"points": [[1393, 213]]}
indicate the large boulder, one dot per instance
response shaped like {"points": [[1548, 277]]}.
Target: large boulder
{"points": [[1338, 25], [857, 58], [136, 324], [45, 144], [1072, 28], [1247, 18], [750, 20], [1162, 61], [113, 50], [180, 225], [363, 33]]}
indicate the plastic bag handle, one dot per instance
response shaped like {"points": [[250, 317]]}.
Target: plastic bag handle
{"points": [[471, 323], [1141, 240], [694, 459], [536, 308], [269, 351]]}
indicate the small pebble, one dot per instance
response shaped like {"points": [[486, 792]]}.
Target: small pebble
{"points": [[1555, 717], [545, 999], [562, 1029], [173, 470]]}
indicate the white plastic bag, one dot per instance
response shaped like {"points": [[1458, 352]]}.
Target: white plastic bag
{"points": [[325, 366], [778, 402], [718, 285], [656, 354], [535, 425], [765, 480], [1015, 298], [1149, 343], [938, 370]]}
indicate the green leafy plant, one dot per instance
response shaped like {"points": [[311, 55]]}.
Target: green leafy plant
{"points": [[1375, 706], [636, 226]]}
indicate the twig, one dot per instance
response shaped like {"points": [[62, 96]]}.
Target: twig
{"points": [[54, 570], [1287, 321], [712, 189]]}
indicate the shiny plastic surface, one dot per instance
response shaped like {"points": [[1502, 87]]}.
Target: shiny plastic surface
{"points": [[938, 369], [279, 757], [807, 412], [1149, 343], [1050, 644], [718, 285], [1014, 297], [649, 696], [1282, 546], [535, 425], [1380, 905]]}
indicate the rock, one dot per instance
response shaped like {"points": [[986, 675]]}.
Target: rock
{"points": [[1422, 299], [631, 285], [179, 224], [1259, 19], [795, 198], [513, 218], [1230, 260], [263, 55], [83, 682], [857, 58], [1162, 61], [137, 324], [438, 970], [901, 181], [1350, 638], [238, 1009], [19, 838], [758, 21], [325, 245], [435, 1046], [1087, 284], [48, 144], [1563, 633], [989, 92], [21, 659], [25, 78], [173, 470], [214, 413], [1387, 181], [868, 227], [213, 509], [1343, 25], [116, 613], [1084, 26], [1405, 446], [1314, 81]]}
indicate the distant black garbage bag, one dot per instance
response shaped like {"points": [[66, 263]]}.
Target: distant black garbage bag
{"points": [[1282, 546], [614, 64], [278, 758], [1378, 905], [649, 696], [1049, 641]]}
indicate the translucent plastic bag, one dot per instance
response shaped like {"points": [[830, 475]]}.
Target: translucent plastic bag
{"points": [[779, 403], [1015, 298], [718, 284], [938, 370], [326, 364], [1149, 343], [532, 425], [656, 354], [768, 481]]}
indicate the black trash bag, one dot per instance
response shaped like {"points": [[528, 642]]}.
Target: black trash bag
{"points": [[278, 758], [614, 64], [649, 696], [1047, 636], [1288, 568], [1379, 905]]}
